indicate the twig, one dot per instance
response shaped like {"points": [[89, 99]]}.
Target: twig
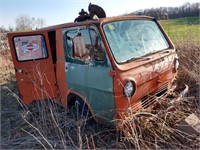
{"points": [[34, 138], [37, 131]]}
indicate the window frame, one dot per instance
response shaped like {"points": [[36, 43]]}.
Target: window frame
{"points": [[13, 41], [82, 61], [152, 20]]}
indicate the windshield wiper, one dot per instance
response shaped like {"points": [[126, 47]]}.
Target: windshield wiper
{"points": [[138, 59], [145, 57]]}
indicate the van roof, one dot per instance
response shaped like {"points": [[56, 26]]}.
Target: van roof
{"points": [[101, 20]]}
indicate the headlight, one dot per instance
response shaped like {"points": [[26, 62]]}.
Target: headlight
{"points": [[176, 64], [129, 89]]}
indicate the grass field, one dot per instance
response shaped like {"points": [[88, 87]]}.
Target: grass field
{"points": [[185, 34], [183, 29], [52, 128]]}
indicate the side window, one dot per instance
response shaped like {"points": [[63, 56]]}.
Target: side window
{"points": [[30, 47], [84, 44], [99, 53]]}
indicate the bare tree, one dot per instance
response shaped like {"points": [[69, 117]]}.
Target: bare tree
{"points": [[10, 28], [24, 22], [2, 29], [33, 23], [186, 10], [40, 22]]}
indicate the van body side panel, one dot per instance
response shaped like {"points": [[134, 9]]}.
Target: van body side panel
{"points": [[92, 81]]}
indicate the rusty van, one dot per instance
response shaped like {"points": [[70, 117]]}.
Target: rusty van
{"points": [[109, 66]]}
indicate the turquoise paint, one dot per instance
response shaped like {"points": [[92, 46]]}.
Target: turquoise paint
{"points": [[93, 83], [91, 80]]}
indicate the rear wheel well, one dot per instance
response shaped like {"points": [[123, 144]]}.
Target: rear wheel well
{"points": [[75, 101], [71, 100]]}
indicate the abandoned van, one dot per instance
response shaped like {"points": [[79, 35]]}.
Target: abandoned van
{"points": [[109, 66]]}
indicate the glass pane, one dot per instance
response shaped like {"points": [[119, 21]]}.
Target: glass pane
{"points": [[70, 46], [84, 44], [97, 45], [132, 39], [30, 47], [79, 44]]}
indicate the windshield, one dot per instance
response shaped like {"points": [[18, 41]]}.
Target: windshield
{"points": [[132, 39]]}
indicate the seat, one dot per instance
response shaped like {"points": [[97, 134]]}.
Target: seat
{"points": [[80, 51], [79, 46]]}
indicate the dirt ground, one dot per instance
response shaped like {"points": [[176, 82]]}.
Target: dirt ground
{"points": [[10, 116]]}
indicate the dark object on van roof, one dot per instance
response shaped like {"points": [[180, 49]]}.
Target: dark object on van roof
{"points": [[83, 15], [94, 10]]}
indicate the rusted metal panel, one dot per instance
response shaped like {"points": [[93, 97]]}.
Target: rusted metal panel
{"points": [[36, 78]]}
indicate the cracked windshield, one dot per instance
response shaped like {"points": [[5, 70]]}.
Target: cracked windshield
{"points": [[133, 39]]}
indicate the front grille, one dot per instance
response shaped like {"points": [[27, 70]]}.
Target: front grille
{"points": [[152, 97]]}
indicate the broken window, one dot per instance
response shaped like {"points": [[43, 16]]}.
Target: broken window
{"points": [[84, 44]]}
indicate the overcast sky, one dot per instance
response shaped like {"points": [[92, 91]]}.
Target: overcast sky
{"points": [[62, 11]]}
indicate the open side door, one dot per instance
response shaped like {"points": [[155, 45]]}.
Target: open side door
{"points": [[33, 64]]}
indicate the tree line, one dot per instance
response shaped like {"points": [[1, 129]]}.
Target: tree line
{"points": [[25, 22], [186, 10]]}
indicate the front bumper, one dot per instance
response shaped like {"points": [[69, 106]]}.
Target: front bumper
{"points": [[149, 101]]}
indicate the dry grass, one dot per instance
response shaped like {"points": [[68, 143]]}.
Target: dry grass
{"points": [[46, 125], [7, 73], [158, 128], [189, 72]]}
